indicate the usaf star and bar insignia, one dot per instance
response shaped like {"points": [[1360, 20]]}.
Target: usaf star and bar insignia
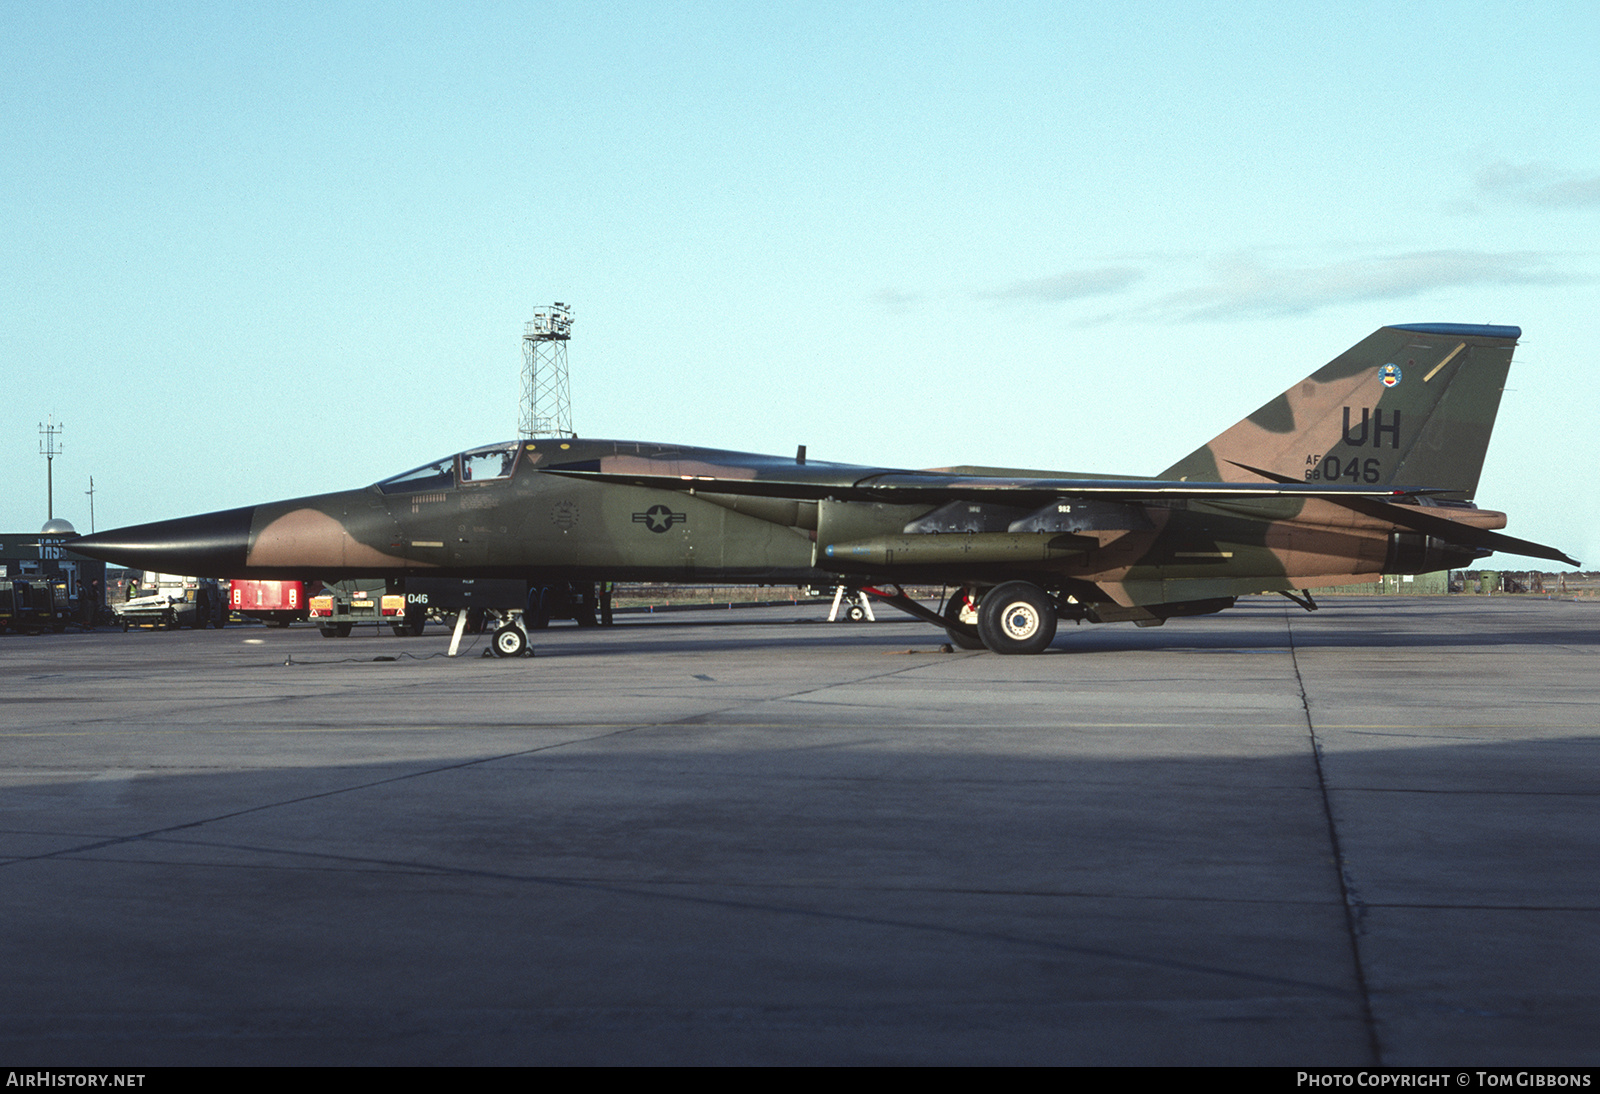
{"points": [[659, 518]]}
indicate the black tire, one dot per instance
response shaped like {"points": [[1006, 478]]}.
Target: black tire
{"points": [[342, 630], [536, 615], [328, 630], [856, 613], [415, 620], [963, 636], [509, 641], [1017, 617], [588, 612]]}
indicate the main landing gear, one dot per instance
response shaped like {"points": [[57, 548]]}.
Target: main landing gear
{"points": [[1017, 617]]}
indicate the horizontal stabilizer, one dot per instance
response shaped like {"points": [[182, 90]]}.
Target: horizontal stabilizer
{"points": [[1420, 520]]}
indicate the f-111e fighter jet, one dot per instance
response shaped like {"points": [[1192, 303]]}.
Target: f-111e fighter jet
{"points": [[1366, 467]]}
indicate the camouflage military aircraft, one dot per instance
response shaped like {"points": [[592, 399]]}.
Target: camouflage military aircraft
{"points": [[1366, 467]]}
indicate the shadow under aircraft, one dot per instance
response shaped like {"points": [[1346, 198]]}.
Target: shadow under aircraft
{"points": [[1366, 467]]}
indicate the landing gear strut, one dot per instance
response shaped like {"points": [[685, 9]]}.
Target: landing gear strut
{"points": [[849, 603], [961, 620]]}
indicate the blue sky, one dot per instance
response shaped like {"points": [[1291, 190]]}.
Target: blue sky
{"points": [[252, 253]]}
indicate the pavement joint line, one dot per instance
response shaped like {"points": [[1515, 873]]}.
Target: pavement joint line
{"points": [[1468, 791], [263, 807], [699, 719], [624, 728], [161, 835], [638, 889], [224, 727], [1453, 922], [747, 886], [1400, 905], [1352, 913]]}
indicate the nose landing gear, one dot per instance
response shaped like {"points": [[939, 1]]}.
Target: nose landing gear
{"points": [[510, 640]]}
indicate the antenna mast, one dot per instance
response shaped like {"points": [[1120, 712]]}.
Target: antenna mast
{"points": [[49, 449]]}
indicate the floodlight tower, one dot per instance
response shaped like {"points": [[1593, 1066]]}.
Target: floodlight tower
{"points": [[49, 449], [546, 404]]}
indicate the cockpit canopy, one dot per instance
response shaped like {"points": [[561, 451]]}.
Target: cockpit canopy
{"points": [[490, 463]]}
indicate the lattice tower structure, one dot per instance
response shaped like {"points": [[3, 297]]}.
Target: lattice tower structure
{"points": [[546, 397]]}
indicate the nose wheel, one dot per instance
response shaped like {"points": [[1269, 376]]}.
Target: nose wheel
{"points": [[510, 641]]}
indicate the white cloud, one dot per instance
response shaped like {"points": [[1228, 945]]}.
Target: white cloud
{"points": [[1244, 287], [1569, 193], [1538, 184], [895, 301], [1073, 285]]}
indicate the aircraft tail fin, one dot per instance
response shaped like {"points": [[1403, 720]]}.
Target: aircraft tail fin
{"points": [[1408, 405]]}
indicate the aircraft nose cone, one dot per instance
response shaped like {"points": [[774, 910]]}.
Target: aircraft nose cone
{"points": [[212, 545]]}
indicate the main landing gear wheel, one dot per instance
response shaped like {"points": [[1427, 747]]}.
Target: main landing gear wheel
{"points": [[588, 614], [536, 614], [960, 631], [1017, 617], [509, 641]]}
